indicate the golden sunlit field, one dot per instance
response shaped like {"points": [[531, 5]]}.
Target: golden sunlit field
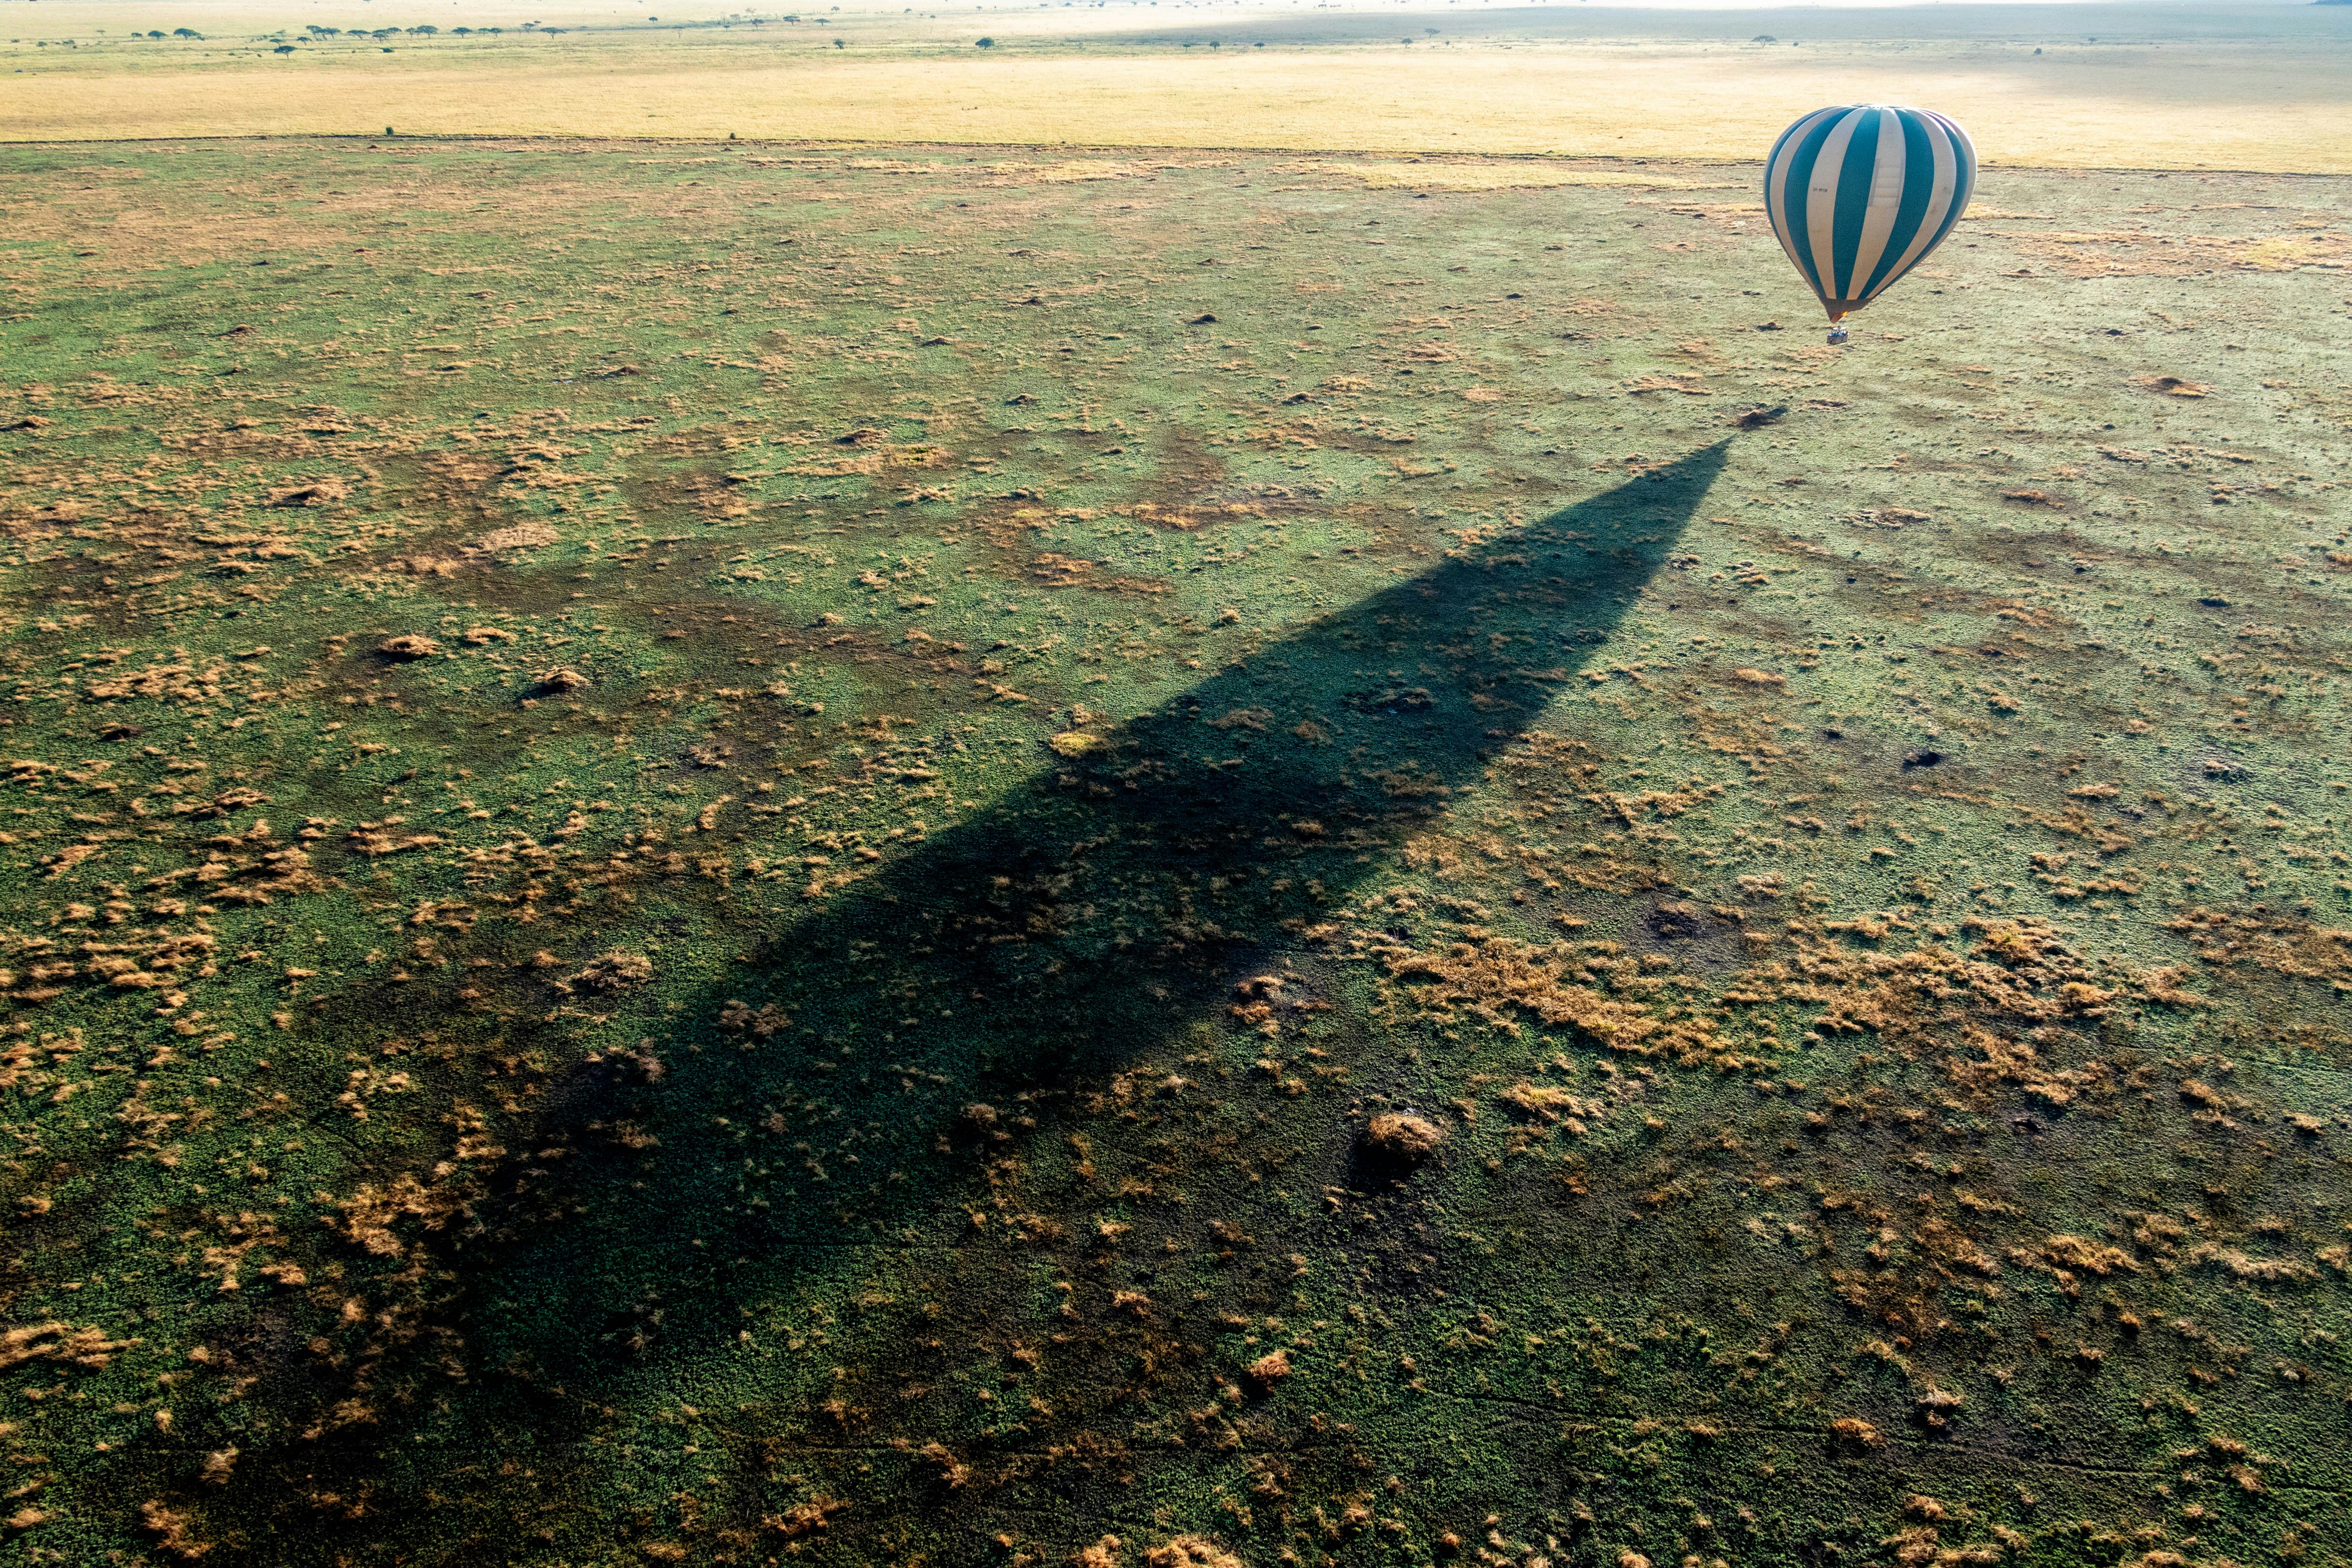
{"points": [[2064, 86]]}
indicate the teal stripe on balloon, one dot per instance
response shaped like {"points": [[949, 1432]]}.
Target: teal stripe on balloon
{"points": [[1853, 201], [1964, 181], [1777, 169], [1919, 154]]}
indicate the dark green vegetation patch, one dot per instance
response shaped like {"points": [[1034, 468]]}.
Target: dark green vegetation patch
{"points": [[725, 856]]}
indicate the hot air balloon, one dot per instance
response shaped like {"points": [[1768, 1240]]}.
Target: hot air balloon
{"points": [[1861, 193]]}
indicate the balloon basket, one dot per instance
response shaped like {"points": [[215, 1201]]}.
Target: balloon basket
{"points": [[1837, 331]]}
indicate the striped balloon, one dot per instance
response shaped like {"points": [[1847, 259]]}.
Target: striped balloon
{"points": [[1859, 193]]}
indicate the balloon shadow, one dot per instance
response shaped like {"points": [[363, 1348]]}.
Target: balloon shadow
{"points": [[868, 1095]]}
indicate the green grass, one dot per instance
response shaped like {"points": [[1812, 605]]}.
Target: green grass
{"points": [[1846, 848]]}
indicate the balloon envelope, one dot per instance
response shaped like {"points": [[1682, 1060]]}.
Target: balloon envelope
{"points": [[1861, 193]]}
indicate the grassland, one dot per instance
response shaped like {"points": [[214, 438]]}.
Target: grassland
{"points": [[2074, 85], [728, 854]]}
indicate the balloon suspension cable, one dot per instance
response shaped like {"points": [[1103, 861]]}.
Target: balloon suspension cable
{"points": [[1837, 329]]}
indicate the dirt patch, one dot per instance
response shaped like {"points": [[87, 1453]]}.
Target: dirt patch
{"points": [[1695, 936], [528, 535], [313, 492]]}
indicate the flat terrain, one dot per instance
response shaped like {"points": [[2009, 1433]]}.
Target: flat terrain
{"points": [[2258, 87], [727, 854]]}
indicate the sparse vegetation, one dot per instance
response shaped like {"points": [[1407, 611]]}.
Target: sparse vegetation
{"points": [[729, 852]]}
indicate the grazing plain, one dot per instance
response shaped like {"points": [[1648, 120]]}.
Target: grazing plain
{"points": [[2124, 85], [753, 853]]}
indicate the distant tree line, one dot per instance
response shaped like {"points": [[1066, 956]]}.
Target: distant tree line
{"points": [[317, 31]]}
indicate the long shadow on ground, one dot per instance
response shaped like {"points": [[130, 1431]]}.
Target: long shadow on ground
{"points": [[816, 1139]]}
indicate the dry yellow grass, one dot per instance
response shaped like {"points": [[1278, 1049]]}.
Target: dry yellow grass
{"points": [[2260, 103], [1443, 175]]}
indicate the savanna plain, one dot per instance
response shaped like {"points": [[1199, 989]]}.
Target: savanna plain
{"points": [[1166, 852]]}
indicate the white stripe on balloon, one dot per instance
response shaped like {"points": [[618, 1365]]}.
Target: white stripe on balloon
{"points": [[1886, 203]]}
